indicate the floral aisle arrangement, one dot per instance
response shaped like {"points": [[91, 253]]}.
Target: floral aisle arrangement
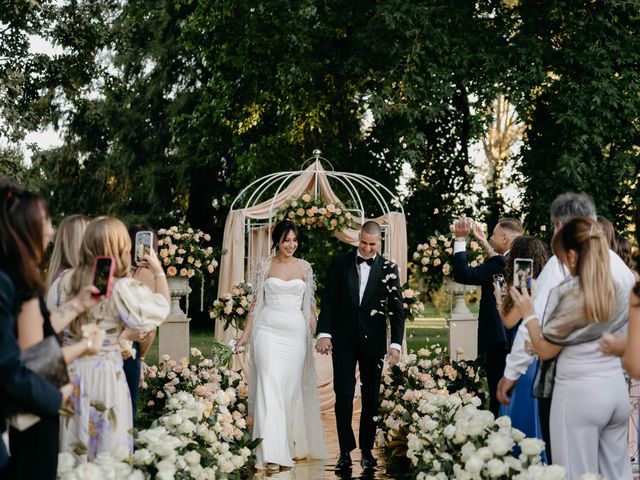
{"points": [[310, 212], [185, 252], [432, 259], [195, 427], [233, 307], [412, 305], [430, 415]]}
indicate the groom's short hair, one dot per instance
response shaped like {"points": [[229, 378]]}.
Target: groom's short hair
{"points": [[371, 227]]}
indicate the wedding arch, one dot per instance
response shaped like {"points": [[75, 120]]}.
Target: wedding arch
{"points": [[247, 229]]}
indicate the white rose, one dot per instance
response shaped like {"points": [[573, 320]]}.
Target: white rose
{"points": [[187, 427], [474, 464], [496, 468], [142, 456], [449, 431], [531, 447], [89, 471], [499, 443], [166, 467], [136, 475], [192, 457]]}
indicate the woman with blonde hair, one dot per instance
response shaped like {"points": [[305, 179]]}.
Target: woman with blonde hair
{"points": [[590, 404], [66, 247], [103, 419]]}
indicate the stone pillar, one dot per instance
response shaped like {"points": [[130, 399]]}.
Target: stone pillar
{"points": [[463, 325], [174, 333]]}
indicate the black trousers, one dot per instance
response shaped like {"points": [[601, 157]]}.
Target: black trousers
{"points": [[544, 413], [34, 451], [494, 362], [344, 384]]}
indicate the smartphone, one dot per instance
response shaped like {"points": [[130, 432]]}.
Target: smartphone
{"points": [[103, 274], [500, 283], [143, 243], [522, 270]]}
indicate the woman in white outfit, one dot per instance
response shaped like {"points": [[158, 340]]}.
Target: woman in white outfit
{"points": [[282, 381], [590, 404]]}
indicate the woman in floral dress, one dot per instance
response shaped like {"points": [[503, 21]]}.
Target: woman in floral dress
{"points": [[103, 419]]}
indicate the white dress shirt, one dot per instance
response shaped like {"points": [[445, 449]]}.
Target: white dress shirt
{"points": [[551, 276], [364, 269]]}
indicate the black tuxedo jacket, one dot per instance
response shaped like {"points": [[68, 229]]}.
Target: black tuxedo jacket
{"points": [[352, 323], [21, 385], [491, 330]]}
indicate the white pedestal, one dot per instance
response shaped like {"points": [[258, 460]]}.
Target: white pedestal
{"points": [[463, 325], [174, 333]]}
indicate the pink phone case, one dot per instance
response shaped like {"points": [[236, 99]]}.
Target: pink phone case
{"points": [[101, 282]]}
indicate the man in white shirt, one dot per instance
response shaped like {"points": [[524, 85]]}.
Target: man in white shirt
{"points": [[565, 207], [360, 286]]}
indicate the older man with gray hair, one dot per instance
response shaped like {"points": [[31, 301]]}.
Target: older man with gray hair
{"points": [[565, 207]]}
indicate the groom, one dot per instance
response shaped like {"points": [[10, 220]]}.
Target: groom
{"points": [[360, 287]]}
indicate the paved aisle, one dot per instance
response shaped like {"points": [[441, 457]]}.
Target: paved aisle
{"points": [[320, 470]]}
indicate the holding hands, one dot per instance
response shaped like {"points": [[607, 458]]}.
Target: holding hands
{"points": [[323, 346]]}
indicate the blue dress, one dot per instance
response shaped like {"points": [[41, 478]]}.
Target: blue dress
{"points": [[523, 408]]}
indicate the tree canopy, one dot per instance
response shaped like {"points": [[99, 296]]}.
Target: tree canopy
{"points": [[168, 108]]}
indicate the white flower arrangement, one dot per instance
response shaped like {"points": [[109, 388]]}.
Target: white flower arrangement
{"points": [[201, 433], [310, 212]]}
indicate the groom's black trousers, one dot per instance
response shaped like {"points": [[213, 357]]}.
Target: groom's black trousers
{"points": [[344, 383]]}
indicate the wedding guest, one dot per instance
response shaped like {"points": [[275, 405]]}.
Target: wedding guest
{"points": [[25, 231], [523, 408], [141, 340], [608, 231], [564, 207], [103, 419], [492, 336], [623, 249], [590, 407], [283, 397], [66, 247]]}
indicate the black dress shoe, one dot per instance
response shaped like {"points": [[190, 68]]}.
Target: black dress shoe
{"points": [[344, 461], [367, 460]]}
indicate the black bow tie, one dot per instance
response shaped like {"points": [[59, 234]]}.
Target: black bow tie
{"points": [[368, 260]]}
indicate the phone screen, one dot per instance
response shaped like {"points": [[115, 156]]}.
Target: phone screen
{"points": [[101, 278], [522, 271], [500, 282], [144, 240]]}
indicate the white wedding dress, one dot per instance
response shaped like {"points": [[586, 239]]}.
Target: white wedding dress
{"points": [[280, 344]]}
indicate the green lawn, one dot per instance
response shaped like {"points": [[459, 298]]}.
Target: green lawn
{"points": [[422, 332]]}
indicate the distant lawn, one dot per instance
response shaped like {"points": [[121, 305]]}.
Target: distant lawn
{"points": [[422, 332]]}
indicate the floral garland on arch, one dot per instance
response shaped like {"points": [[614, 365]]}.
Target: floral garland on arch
{"points": [[310, 212]]}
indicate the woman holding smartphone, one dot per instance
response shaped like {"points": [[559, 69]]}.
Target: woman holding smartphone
{"points": [[103, 419], [523, 408], [590, 405], [26, 230]]}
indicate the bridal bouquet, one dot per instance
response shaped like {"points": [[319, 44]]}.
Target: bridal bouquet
{"points": [[185, 252], [233, 307], [432, 259], [310, 212]]}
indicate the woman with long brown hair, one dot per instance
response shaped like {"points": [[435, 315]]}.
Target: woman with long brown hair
{"points": [[590, 404], [25, 230], [103, 419], [523, 408]]}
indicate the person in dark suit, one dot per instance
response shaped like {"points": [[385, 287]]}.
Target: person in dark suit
{"points": [[18, 385], [361, 289], [492, 335]]}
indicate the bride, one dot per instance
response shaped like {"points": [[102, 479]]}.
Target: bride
{"points": [[282, 381]]}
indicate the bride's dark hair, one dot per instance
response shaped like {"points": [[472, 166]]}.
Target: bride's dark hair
{"points": [[281, 230]]}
